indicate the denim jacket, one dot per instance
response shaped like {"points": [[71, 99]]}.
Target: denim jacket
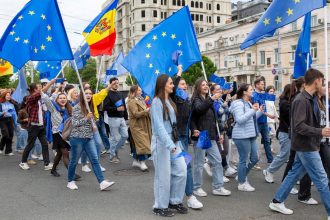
{"points": [[161, 128]]}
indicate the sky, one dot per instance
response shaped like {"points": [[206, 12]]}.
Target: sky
{"points": [[76, 14]]}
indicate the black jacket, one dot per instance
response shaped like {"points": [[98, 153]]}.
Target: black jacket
{"points": [[284, 115], [110, 107], [306, 133], [203, 116]]}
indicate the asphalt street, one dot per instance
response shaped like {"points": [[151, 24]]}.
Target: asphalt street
{"points": [[35, 194]]}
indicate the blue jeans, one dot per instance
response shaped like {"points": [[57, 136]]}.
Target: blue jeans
{"points": [[284, 153], [248, 156], [265, 140], [103, 133], [170, 175], [189, 182], [98, 144], [77, 146], [214, 157], [311, 163], [22, 136], [118, 134]]}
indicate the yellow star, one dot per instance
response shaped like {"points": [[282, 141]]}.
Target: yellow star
{"points": [[147, 56], [49, 38], [169, 69], [148, 46], [17, 39], [290, 12], [164, 34], [150, 65], [180, 43], [57, 67], [266, 21], [12, 33], [48, 65], [26, 41], [278, 19], [173, 36], [43, 47], [43, 17], [49, 27], [300, 54], [297, 1], [35, 50], [157, 72], [31, 13], [154, 37], [14, 25], [52, 67], [20, 17]]}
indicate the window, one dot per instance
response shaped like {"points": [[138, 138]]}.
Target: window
{"points": [[192, 17], [201, 4], [192, 4], [174, 2], [249, 59], [165, 14], [196, 4], [155, 1], [276, 56], [294, 26], [155, 13], [269, 61], [143, 27], [201, 30], [314, 50], [197, 17], [183, 2], [210, 19], [165, 2], [143, 1], [218, 7], [262, 57], [277, 83], [179, 2], [143, 13], [201, 17], [210, 7], [314, 21], [293, 52], [218, 19]]}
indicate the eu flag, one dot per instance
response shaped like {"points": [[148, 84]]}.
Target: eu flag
{"points": [[21, 89], [116, 69], [221, 81], [153, 53], [303, 49], [36, 33], [279, 14], [81, 56], [48, 69]]}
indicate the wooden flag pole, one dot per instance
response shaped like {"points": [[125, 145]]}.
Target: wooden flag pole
{"points": [[326, 63]]}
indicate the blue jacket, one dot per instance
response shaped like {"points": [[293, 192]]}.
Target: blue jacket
{"points": [[161, 129], [245, 119], [260, 98]]}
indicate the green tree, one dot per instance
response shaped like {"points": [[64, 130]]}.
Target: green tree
{"points": [[129, 80], [5, 81], [195, 71]]}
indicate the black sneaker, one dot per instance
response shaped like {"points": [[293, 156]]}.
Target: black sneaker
{"points": [[163, 212], [55, 173], [179, 208], [76, 177]]}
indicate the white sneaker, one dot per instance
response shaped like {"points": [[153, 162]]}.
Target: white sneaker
{"points": [[294, 191], [309, 201], [86, 169], [221, 192], [269, 177], [79, 161], [24, 166], [105, 184], [143, 166], [245, 187], [280, 207], [136, 164], [200, 192], [34, 156], [193, 203], [48, 167], [41, 158], [10, 154], [225, 179], [72, 185], [102, 169], [230, 171], [207, 169]]}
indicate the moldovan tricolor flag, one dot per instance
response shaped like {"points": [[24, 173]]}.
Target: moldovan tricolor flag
{"points": [[101, 33]]}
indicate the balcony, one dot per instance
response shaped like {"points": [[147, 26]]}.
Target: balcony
{"points": [[235, 71]]}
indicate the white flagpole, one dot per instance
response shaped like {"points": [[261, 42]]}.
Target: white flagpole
{"points": [[326, 63], [99, 73], [217, 125]]}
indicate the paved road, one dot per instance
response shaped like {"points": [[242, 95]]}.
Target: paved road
{"points": [[34, 194]]}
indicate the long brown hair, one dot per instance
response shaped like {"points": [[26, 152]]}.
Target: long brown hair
{"points": [[160, 93], [132, 92], [197, 88], [83, 105], [286, 92], [68, 107]]}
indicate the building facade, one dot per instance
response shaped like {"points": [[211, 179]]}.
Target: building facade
{"points": [[271, 57], [242, 10]]}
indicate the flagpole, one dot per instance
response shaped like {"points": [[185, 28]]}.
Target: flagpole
{"points": [[99, 74], [217, 123], [326, 63]]}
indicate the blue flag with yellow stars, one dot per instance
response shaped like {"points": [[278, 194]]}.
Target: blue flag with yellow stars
{"points": [[81, 56], [152, 55], [279, 14], [36, 33], [48, 69], [221, 81], [303, 49]]}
